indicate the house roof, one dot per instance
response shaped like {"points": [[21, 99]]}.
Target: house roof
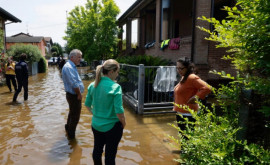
{"points": [[48, 39], [22, 35], [24, 38], [6, 15], [129, 10]]}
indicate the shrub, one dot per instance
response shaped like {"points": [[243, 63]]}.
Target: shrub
{"points": [[33, 53], [42, 65], [214, 141]]}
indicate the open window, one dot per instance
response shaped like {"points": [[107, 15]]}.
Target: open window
{"points": [[176, 18]]}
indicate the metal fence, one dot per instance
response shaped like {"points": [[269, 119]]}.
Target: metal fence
{"points": [[140, 88]]}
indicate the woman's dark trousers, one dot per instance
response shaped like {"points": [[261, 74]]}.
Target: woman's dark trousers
{"points": [[111, 140], [11, 78], [75, 107], [183, 126]]}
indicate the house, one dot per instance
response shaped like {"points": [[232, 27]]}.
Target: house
{"points": [[22, 38], [49, 44], [4, 17], [159, 20]]}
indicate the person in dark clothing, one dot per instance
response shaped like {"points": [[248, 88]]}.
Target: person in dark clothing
{"points": [[58, 61], [61, 64], [21, 71]]}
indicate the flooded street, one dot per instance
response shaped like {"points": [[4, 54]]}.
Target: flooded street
{"points": [[32, 132]]}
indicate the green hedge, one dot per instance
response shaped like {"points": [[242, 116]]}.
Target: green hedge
{"points": [[42, 65], [32, 52]]}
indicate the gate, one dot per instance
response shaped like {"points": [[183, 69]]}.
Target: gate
{"points": [[148, 89]]}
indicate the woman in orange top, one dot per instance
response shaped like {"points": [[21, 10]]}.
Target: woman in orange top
{"points": [[188, 90]]}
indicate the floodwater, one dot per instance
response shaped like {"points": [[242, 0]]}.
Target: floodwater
{"points": [[32, 132]]}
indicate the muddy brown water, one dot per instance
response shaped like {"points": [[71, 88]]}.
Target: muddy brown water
{"points": [[32, 132]]}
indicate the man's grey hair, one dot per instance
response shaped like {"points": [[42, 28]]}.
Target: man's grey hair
{"points": [[74, 52]]}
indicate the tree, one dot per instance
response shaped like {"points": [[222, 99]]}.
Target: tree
{"points": [[57, 50], [93, 29], [54, 51]]}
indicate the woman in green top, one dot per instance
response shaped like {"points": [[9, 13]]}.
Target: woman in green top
{"points": [[104, 101]]}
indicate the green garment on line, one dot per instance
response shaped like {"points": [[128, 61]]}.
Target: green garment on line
{"points": [[164, 43]]}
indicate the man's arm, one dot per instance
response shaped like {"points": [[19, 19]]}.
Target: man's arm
{"points": [[78, 92]]}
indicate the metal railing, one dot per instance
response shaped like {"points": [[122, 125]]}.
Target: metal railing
{"points": [[137, 84]]}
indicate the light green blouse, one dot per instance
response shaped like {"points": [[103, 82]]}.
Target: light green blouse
{"points": [[105, 102]]}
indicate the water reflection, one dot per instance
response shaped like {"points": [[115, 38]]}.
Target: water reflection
{"points": [[32, 132]]}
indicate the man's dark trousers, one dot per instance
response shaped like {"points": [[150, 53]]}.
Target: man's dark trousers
{"points": [[75, 107], [21, 84]]}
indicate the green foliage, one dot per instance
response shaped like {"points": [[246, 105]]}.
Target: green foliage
{"points": [[42, 65], [93, 29], [3, 61], [32, 51], [246, 34], [1, 41], [130, 74], [212, 140], [143, 59], [57, 50], [2, 56]]}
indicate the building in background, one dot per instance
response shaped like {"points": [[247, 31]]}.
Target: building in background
{"points": [[23, 38], [49, 44]]}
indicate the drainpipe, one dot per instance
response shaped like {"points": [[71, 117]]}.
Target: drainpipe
{"points": [[212, 13], [193, 29]]}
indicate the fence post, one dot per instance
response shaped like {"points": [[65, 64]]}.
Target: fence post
{"points": [[141, 88]]}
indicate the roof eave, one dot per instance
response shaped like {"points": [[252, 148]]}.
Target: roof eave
{"points": [[128, 11], [9, 16]]}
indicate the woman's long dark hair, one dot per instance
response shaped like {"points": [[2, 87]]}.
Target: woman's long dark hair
{"points": [[190, 68]]}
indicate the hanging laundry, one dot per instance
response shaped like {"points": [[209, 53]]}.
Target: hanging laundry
{"points": [[165, 79], [164, 44], [174, 43], [150, 44]]}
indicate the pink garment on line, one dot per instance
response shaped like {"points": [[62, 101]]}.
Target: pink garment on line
{"points": [[174, 43]]}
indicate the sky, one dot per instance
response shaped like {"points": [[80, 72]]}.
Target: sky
{"points": [[46, 18]]}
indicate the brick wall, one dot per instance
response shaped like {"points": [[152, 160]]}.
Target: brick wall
{"points": [[215, 61], [172, 55], [203, 8]]}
